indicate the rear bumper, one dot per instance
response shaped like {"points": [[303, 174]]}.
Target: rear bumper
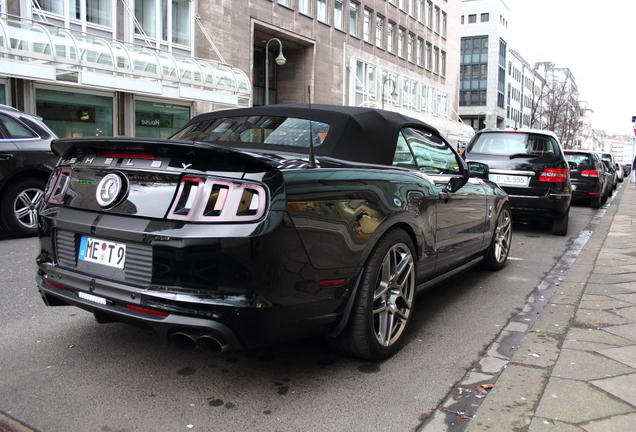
{"points": [[552, 205], [586, 190]]}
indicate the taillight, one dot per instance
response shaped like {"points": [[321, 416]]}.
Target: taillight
{"points": [[206, 199], [554, 175], [590, 173], [57, 185], [148, 311]]}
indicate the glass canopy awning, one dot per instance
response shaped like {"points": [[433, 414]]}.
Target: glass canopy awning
{"points": [[47, 53]]}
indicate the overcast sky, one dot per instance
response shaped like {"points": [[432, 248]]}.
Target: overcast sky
{"points": [[595, 39]]}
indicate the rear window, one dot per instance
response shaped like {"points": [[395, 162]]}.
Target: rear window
{"points": [[580, 160], [287, 131], [514, 143]]}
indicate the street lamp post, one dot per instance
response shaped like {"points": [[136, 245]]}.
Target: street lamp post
{"points": [[393, 88], [280, 60]]}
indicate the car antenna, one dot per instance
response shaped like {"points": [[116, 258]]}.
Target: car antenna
{"points": [[312, 157]]}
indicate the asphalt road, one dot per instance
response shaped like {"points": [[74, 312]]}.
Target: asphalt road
{"points": [[62, 372]]}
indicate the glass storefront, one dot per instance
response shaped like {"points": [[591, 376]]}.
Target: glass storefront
{"points": [[159, 120], [3, 97], [75, 114]]}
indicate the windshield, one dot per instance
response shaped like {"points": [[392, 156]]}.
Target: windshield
{"points": [[275, 130], [514, 143]]}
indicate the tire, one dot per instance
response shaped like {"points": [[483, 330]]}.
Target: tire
{"points": [[596, 201], [19, 206], [384, 301], [560, 224], [497, 253]]}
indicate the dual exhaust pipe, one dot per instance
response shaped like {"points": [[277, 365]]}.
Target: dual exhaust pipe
{"points": [[209, 343]]}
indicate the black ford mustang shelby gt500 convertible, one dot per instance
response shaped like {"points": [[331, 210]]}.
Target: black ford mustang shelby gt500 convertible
{"points": [[261, 225]]}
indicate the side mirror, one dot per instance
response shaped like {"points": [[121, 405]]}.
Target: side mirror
{"points": [[478, 169]]}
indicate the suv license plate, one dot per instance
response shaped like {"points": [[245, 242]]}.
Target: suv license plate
{"points": [[509, 179], [102, 252]]}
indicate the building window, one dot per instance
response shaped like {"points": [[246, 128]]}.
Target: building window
{"points": [[472, 19], [473, 73], [429, 14], [426, 99], [429, 56], [436, 60], [321, 11], [437, 19], [304, 7], [442, 61], [418, 51], [366, 26], [353, 19], [365, 82], [444, 24], [409, 47], [419, 10], [286, 3], [485, 17], [442, 104], [168, 23], [402, 7], [390, 89], [462, 21], [75, 114], [400, 42], [409, 94], [159, 120], [338, 21], [379, 30], [390, 36], [94, 11]]}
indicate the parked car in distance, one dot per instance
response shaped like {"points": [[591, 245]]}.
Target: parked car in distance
{"points": [[26, 161], [530, 166], [588, 176], [609, 176], [609, 157], [256, 226]]}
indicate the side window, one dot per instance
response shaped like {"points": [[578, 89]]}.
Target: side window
{"points": [[432, 154], [403, 156], [15, 129]]}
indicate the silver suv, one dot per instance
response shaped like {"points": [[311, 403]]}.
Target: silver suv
{"points": [[26, 161]]}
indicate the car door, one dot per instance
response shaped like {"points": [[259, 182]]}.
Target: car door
{"points": [[462, 215], [9, 153]]}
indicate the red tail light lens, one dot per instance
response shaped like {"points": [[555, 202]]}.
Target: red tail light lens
{"points": [[148, 311], [57, 185], [205, 199], [590, 173], [554, 175]]}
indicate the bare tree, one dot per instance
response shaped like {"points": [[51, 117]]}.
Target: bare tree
{"points": [[562, 105]]}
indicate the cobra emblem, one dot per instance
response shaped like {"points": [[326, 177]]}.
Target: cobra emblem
{"points": [[109, 190]]}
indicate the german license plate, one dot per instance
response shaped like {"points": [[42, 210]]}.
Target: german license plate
{"points": [[509, 179], [102, 252]]}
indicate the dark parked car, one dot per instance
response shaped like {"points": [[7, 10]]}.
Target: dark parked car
{"points": [[609, 157], [529, 165], [26, 161], [261, 225], [589, 178]]}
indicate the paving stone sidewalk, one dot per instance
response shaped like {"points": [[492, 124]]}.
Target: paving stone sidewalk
{"points": [[576, 368]]}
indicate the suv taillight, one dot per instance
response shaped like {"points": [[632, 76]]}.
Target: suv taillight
{"points": [[204, 199], [554, 175], [590, 173], [57, 185]]}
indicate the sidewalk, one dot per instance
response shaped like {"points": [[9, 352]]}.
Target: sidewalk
{"points": [[576, 367]]}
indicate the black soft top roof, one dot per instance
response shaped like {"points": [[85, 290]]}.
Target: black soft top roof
{"points": [[356, 134]]}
